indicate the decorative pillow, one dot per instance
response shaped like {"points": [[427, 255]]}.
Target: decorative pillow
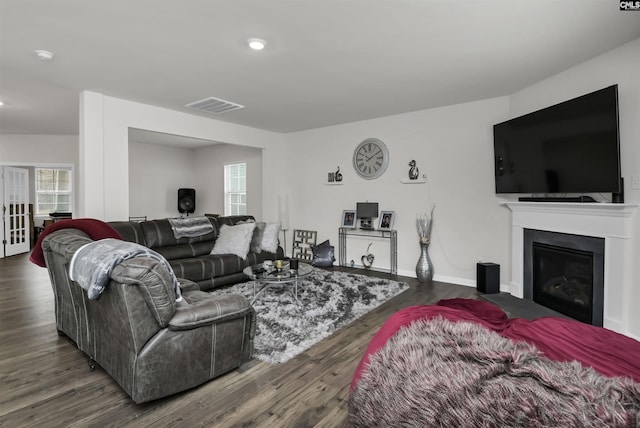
{"points": [[270, 237], [256, 240], [234, 240], [323, 255]]}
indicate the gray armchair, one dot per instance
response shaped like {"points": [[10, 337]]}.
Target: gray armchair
{"points": [[151, 346]]}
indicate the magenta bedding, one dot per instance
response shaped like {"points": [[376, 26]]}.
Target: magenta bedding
{"points": [[559, 339]]}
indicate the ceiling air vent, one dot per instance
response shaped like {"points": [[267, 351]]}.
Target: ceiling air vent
{"points": [[214, 105]]}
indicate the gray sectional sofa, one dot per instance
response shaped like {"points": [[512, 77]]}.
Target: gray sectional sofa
{"points": [[190, 258]]}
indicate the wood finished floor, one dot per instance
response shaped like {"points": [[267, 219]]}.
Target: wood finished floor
{"points": [[45, 380]]}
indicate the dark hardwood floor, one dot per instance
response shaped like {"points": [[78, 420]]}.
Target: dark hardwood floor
{"points": [[45, 380]]}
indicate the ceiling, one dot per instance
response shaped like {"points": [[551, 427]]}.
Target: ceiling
{"points": [[326, 62]]}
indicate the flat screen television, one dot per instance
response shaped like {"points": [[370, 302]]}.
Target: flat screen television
{"points": [[571, 147]]}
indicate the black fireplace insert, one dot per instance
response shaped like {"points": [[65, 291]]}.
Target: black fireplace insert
{"points": [[565, 272]]}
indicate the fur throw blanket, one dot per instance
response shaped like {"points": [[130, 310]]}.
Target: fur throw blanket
{"points": [[440, 373]]}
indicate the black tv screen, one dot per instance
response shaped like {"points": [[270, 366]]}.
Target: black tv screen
{"points": [[367, 209], [571, 147]]}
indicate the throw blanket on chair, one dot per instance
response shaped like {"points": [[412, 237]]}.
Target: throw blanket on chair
{"points": [[96, 229], [91, 265], [190, 227]]}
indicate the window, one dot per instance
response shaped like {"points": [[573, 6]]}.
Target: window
{"points": [[53, 191], [235, 189]]}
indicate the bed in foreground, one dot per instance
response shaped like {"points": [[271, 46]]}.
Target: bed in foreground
{"points": [[464, 363]]}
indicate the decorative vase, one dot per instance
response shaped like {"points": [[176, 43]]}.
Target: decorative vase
{"points": [[424, 268]]}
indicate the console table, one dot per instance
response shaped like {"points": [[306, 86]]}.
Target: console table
{"points": [[391, 235]]}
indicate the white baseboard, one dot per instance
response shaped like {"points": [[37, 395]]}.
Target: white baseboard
{"points": [[410, 273], [455, 280], [442, 278], [633, 336]]}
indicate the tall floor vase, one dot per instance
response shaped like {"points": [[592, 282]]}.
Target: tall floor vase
{"points": [[424, 268]]}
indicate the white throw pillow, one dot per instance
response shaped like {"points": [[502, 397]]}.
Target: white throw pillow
{"points": [[234, 240], [270, 237]]}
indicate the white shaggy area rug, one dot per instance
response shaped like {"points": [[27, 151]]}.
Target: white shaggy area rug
{"points": [[329, 300]]}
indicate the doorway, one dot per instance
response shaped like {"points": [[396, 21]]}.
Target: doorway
{"points": [[16, 218]]}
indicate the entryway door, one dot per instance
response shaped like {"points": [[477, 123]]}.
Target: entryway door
{"points": [[15, 208]]}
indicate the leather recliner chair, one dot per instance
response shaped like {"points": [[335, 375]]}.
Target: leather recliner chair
{"points": [[151, 346]]}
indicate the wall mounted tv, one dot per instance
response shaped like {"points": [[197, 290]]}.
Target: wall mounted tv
{"points": [[571, 147]]}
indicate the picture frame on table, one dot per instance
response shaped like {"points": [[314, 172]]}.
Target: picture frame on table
{"points": [[386, 220], [349, 219]]}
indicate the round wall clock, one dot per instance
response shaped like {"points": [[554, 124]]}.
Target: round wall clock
{"points": [[370, 158]]}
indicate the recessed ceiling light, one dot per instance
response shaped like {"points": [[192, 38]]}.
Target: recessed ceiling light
{"points": [[1, 103], [256, 44], [44, 55]]}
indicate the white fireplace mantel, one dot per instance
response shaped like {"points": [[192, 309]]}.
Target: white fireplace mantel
{"points": [[613, 222]]}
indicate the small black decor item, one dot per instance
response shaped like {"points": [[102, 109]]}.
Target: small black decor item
{"points": [[338, 175], [414, 172], [618, 197], [331, 177]]}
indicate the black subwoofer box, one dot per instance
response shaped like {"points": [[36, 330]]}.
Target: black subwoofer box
{"points": [[186, 200], [488, 278]]}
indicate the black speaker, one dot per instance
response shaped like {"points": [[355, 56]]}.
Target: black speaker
{"points": [[488, 278], [618, 197], [187, 200]]}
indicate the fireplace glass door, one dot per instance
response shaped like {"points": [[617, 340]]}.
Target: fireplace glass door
{"points": [[563, 280]]}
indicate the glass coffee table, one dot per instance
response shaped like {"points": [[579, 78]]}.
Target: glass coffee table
{"points": [[268, 276]]}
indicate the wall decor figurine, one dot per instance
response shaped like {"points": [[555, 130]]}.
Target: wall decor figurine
{"points": [[331, 177], [338, 175], [367, 259], [414, 172]]}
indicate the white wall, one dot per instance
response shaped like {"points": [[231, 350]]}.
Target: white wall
{"points": [[155, 174], [209, 176], [41, 151], [621, 66], [104, 156], [452, 145]]}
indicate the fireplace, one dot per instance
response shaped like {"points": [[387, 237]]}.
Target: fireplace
{"points": [[613, 223], [565, 272]]}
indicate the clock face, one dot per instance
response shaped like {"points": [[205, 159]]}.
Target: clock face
{"points": [[370, 158]]}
